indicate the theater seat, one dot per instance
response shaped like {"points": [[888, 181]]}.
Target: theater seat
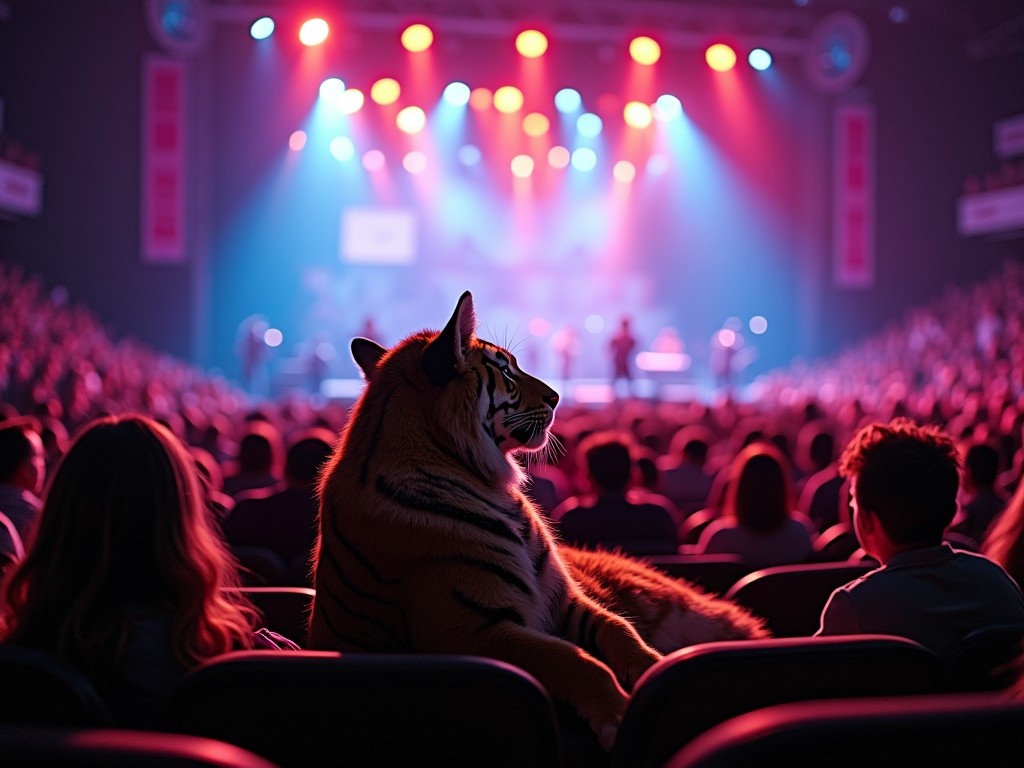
{"points": [[304, 709], [713, 573], [988, 658], [790, 598], [41, 688], [24, 746], [695, 688], [979, 729]]}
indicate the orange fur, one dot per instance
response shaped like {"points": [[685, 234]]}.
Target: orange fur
{"points": [[668, 613], [427, 542]]}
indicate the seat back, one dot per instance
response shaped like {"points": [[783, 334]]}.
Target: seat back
{"points": [[790, 598], [41, 688], [892, 732], [695, 688], [988, 659], [713, 573], [690, 529], [24, 746], [836, 543], [315, 708], [285, 610], [260, 566]]}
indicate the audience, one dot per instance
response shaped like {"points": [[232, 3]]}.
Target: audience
{"points": [[1004, 541], [820, 488], [283, 517], [683, 469], [59, 366], [904, 482], [981, 501], [616, 512], [127, 573], [258, 461], [22, 472], [758, 520]]}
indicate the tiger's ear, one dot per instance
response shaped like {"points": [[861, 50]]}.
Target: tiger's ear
{"points": [[367, 354], [445, 356]]}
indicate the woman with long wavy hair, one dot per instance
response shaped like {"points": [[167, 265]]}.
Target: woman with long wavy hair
{"points": [[126, 576]]}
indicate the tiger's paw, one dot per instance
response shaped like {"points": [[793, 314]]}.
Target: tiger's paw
{"points": [[635, 664]]}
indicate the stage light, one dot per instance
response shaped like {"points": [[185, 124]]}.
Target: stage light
{"points": [[758, 324], [568, 100], [417, 37], [759, 59], [385, 91], [644, 50], [411, 120], [726, 338], [297, 140], [342, 148], [558, 157], [637, 114], [624, 171], [593, 323], [456, 94], [657, 164], [351, 101], [667, 107], [522, 166], [531, 43], [331, 89], [373, 160], [415, 162], [480, 99], [535, 125], [469, 155], [313, 32], [720, 57], [584, 159], [588, 124], [508, 99], [262, 28], [272, 337]]}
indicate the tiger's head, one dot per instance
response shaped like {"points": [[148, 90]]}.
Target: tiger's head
{"points": [[473, 388]]}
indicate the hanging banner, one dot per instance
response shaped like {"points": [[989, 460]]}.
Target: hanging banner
{"points": [[854, 196], [163, 160]]}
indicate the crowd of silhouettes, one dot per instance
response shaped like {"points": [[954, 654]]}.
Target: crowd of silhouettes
{"points": [[770, 477]]}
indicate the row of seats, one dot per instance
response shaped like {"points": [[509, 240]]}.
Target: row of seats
{"points": [[789, 597], [310, 708]]}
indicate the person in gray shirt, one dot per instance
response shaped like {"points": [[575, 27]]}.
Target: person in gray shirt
{"points": [[904, 484]]}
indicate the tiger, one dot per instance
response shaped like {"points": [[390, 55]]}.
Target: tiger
{"points": [[669, 613], [427, 542]]}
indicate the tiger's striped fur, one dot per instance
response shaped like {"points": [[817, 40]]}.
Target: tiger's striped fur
{"points": [[427, 542], [669, 613]]}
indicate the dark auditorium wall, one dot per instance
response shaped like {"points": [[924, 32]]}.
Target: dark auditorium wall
{"points": [[70, 83]]}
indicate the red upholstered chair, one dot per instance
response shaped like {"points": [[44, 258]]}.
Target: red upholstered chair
{"points": [[888, 732], [695, 688], [24, 746], [790, 598], [988, 658], [40, 688], [713, 573], [305, 709]]}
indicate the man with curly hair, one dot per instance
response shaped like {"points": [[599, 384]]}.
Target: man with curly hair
{"points": [[904, 480]]}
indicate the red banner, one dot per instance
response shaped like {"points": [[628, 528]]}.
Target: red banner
{"points": [[854, 196], [163, 160]]}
